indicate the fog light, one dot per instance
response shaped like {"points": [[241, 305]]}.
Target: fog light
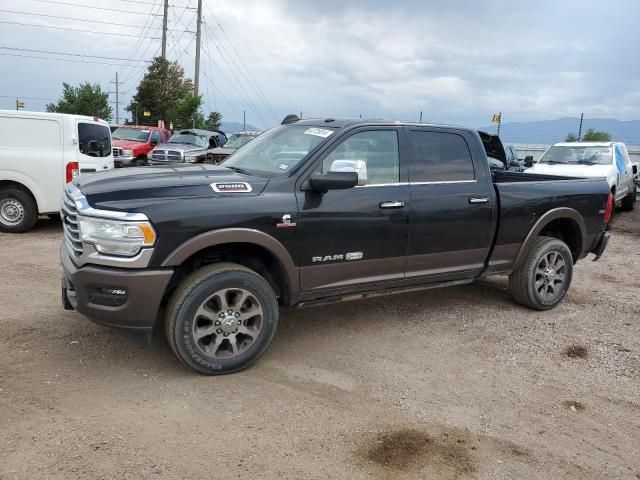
{"points": [[107, 296]]}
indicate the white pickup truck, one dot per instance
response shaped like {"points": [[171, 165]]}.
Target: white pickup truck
{"points": [[593, 159], [40, 153]]}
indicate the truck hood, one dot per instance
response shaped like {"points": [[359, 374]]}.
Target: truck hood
{"points": [[127, 144], [572, 170], [180, 147], [129, 188]]}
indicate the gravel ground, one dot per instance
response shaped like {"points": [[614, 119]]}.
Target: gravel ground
{"points": [[450, 384]]}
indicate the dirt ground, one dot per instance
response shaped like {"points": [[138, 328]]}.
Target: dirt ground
{"points": [[445, 384]]}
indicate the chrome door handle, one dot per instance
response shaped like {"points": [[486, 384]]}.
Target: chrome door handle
{"points": [[474, 200], [391, 204]]}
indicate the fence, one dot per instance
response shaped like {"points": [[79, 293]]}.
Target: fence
{"points": [[536, 150]]}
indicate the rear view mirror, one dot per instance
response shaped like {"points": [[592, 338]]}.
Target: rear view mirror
{"points": [[333, 181], [357, 166], [634, 169], [528, 161]]}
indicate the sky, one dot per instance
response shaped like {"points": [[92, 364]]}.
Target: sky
{"points": [[457, 61]]}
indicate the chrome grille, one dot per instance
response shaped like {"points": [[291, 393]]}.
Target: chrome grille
{"points": [[166, 155], [69, 215]]}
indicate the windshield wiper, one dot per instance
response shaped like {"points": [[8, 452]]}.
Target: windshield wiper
{"points": [[587, 162], [552, 162]]}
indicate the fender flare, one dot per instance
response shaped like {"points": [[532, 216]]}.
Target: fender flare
{"points": [[28, 184], [239, 235], [543, 221]]}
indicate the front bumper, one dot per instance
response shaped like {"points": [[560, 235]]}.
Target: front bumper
{"points": [[124, 161], [124, 299], [600, 245]]}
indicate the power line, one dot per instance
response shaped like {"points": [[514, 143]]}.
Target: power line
{"points": [[233, 48], [73, 29], [69, 54], [61, 59], [75, 19], [147, 24], [25, 98], [93, 7]]}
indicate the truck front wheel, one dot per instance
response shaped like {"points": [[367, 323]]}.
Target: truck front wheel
{"points": [[543, 279], [628, 202], [221, 319]]}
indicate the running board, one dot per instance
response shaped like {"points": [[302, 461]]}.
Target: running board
{"points": [[380, 293]]}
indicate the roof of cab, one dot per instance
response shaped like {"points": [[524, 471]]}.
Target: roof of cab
{"points": [[348, 122], [584, 144]]}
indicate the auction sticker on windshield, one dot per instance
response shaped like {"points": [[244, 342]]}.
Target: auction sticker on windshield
{"points": [[318, 132]]}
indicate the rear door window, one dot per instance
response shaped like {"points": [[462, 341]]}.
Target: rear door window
{"points": [[94, 140], [439, 157]]}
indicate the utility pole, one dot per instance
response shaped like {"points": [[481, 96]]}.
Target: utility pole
{"points": [[244, 120], [164, 29], [580, 128], [420, 116], [196, 80], [499, 122], [117, 92]]}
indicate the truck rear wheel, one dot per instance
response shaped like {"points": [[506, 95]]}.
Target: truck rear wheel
{"points": [[18, 210], [543, 279], [221, 319]]}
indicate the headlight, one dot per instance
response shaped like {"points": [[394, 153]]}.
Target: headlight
{"points": [[191, 158], [114, 237], [127, 153]]}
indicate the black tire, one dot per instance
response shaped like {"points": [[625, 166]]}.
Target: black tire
{"points": [[628, 202], [18, 210], [524, 282], [141, 162], [193, 293]]}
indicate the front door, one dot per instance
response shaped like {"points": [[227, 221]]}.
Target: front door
{"points": [[354, 238], [453, 206]]}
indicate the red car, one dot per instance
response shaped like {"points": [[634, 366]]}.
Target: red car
{"points": [[132, 143]]}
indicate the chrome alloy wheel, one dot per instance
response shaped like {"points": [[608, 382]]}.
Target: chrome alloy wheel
{"points": [[227, 323], [550, 275], [11, 211]]}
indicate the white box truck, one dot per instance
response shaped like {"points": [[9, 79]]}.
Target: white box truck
{"points": [[39, 154]]}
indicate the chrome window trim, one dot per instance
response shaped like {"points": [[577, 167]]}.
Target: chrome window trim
{"points": [[399, 184]]}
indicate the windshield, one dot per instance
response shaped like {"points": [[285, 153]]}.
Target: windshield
{"points": [[582, 155], [189, 139], [278, 149], [133, 134], [236, 141]]}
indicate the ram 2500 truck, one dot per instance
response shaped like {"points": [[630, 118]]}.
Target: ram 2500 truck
{"points": [[315, 211]]}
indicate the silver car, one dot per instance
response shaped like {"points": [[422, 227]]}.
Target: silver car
{"points": [[187, 146]]}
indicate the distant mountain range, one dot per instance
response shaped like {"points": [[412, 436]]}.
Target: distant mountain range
{"points": [[552, 131], [235, 127]]}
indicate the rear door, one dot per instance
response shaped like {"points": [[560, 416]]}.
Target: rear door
{"points": [[94, 146], [624, 167], [354, 238], [453, 205]]}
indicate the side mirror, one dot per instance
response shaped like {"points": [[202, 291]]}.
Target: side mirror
{"points": [[154, 141], [333, 181], [528, 161], [634, 169], [358, 166]]}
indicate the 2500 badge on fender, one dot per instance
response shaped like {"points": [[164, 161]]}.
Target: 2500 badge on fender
{"points": [[316, 211]]}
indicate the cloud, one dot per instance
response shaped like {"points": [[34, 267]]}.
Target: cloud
{"points": [[457, 61]]}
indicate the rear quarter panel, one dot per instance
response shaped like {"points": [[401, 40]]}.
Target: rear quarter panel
{"points": [[524, 203]]}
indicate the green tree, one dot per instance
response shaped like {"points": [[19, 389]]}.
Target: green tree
{"points": [[159, 91], [85, 99], [186, 113], [213, 121], [571, 137], [596, 136]]}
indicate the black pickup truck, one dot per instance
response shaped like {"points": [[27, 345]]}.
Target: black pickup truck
{"points": [[315, 211]]}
